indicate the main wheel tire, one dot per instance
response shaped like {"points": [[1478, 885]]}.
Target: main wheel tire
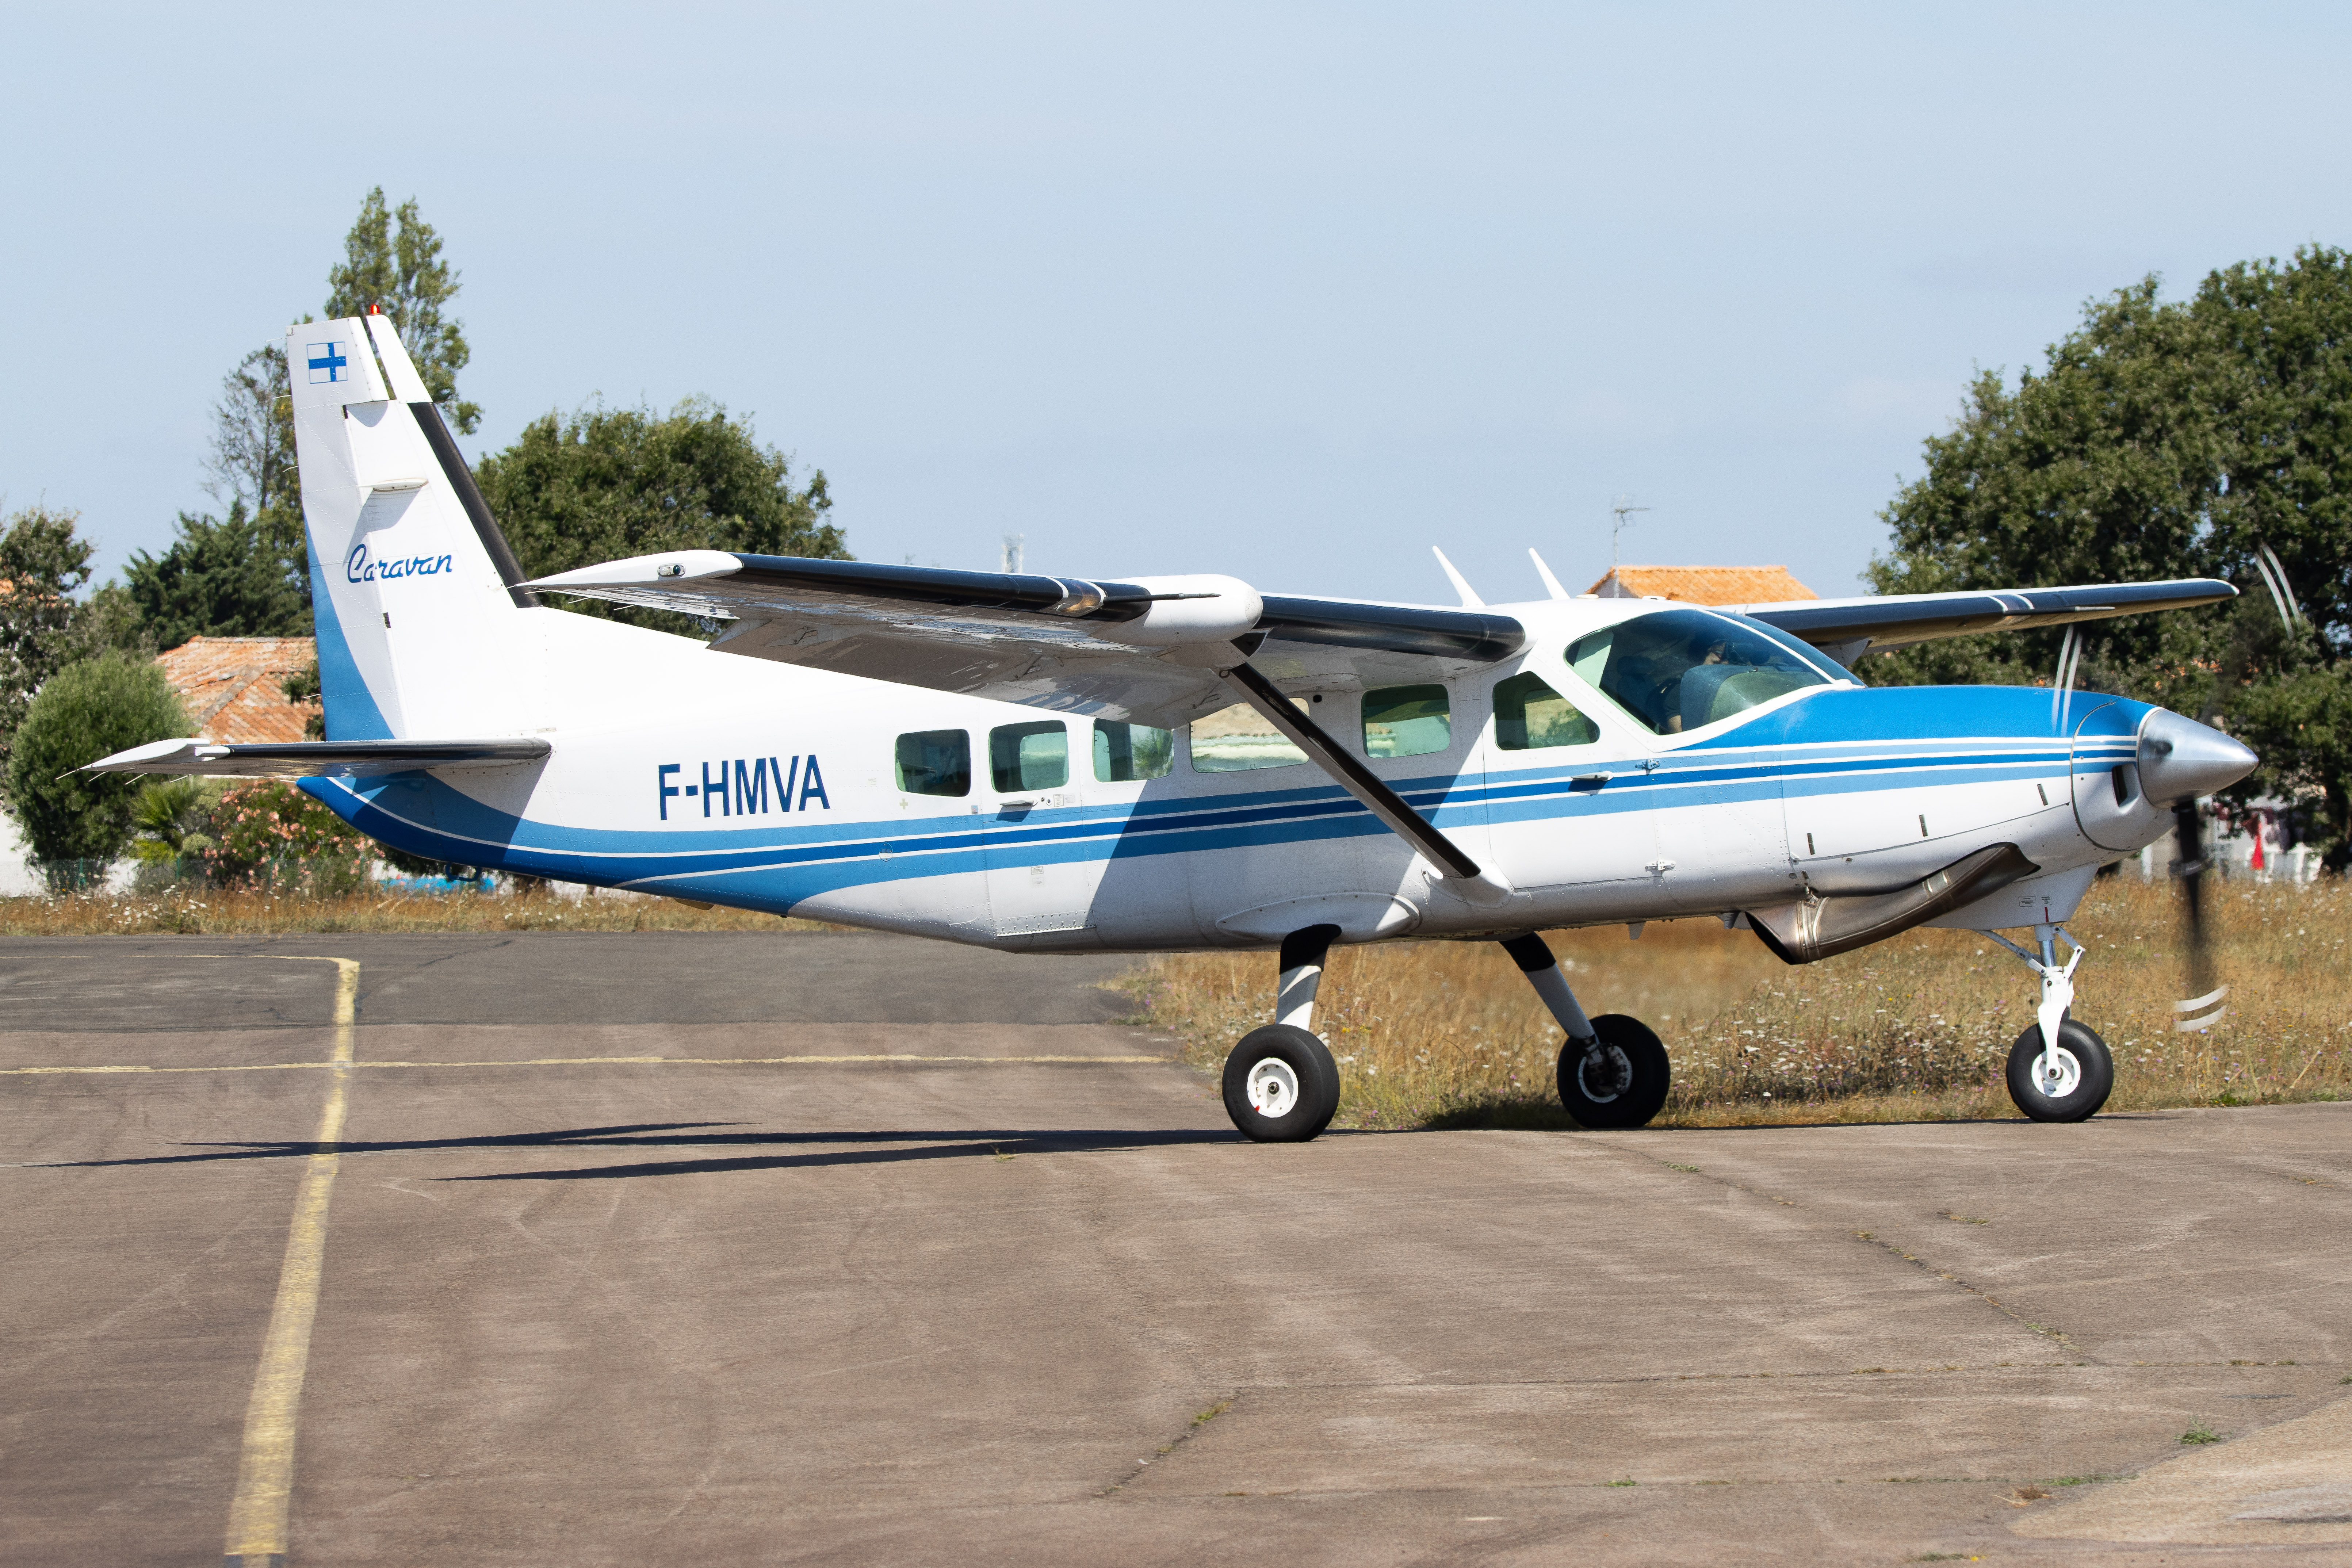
{"points": [[1620, 1080], [2070, 1088], [1281, 1085]]}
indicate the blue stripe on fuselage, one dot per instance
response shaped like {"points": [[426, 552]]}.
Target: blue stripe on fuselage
{"points": [[1832, 741]]}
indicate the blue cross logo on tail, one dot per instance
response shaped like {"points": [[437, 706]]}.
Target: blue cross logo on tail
{"points": [[328, 363]]}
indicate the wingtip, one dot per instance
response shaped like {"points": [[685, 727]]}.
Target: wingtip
{"points": [[128, 761]]}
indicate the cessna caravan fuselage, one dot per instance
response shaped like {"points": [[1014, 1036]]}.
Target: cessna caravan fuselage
{"points": [[803, 792]]}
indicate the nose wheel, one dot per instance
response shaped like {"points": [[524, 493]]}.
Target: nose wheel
{"points": [[2067, 1083], [2069, 1080]]}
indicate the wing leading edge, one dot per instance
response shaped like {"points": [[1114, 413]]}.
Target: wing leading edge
{"points": [[1848, 628], [1148, 649]]}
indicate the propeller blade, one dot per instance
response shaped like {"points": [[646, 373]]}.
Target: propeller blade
{"points": [[2188, 832]]}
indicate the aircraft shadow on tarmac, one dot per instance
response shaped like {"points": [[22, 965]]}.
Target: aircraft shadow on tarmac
{"points": [[960, 1145]]}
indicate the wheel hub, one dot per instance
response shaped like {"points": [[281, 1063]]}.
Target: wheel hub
{"points": [[1273, 1088], [2057, 1073], [1606, 1073]]}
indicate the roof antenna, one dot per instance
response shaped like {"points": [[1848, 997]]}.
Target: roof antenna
{"points": [[1551, 582], [1470, 599], [1620, 509]]}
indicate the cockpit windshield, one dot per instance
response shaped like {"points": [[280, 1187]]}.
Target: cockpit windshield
{"points": [[1679, 669]]}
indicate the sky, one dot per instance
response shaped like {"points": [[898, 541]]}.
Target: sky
{"points": [[1287, 291]]}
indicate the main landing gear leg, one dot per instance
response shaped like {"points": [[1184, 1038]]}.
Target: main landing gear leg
{"points": [[1612, 1071], [1281, 1084], [2068, 1081]]}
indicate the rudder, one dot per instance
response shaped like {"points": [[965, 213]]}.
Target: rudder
{"points": [[415, 592]]}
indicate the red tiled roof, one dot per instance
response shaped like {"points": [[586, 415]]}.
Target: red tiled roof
{"points": [[233, 687], [1704, 585]]}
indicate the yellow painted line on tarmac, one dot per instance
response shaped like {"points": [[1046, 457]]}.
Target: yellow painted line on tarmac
{"points": [[599, 1061], [265, 1470]]}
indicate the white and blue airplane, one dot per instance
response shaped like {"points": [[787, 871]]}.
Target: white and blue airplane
{"points": [[1171, 763]]}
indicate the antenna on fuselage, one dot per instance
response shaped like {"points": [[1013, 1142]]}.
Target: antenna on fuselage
{"points": [[1013, 542], [1469, 596], [1552, 583]]}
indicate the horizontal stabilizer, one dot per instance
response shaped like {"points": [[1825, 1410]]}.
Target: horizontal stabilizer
{"points": [[304, 759]]}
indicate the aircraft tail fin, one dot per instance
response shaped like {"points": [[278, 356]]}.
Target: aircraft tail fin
{"points": [[414, 591]]}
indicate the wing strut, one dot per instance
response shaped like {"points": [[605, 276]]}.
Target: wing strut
{"points": [[1484, 888]]}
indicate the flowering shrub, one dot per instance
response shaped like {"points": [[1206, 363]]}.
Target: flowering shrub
{"points": [[268, 831]]}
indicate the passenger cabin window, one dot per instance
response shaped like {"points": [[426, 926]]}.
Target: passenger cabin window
{"points": [[1529, 716], [1679, 669], [1029, 756], [1234, 740], [1127, 752], [1406, 722], [935, 762]]}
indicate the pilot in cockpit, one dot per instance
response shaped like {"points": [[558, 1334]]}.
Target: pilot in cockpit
{"points": [[1685, 668], [1715, 652]]}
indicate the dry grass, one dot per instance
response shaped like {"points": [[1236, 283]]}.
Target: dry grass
{"points": [[266, 912], [1448, 1033]]}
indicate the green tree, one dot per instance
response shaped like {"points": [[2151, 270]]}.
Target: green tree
{"points": [[392, 261], [83, 712], [606, 483], [303, 690], [44, 562], [251, 460], [222, 577], [251, 456], [2167, 440]]}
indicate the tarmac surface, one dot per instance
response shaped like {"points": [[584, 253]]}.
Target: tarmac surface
{"points": [[660, 1248]]}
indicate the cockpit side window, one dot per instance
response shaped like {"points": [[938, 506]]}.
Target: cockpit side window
{"points": [[1679, 669], [1529, 716]]}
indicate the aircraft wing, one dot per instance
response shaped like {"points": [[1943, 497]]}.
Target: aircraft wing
{"points": [[1146, 649], [1848, 628], [302, 759]]}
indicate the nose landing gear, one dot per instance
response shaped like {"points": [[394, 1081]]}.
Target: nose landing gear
{"points": [[2070, 1079]]}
